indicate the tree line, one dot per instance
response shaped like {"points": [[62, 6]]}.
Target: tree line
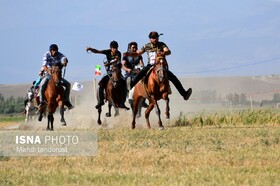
{"points": [[11, 105], [14, 105]]}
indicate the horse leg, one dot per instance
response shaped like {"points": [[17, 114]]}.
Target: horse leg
{"points": [[158, 114], [62, 120], [108, 114], [52, 120], [40, 116], [135, 110], [167, 108], [116, 112], [26, 115], [140, 107], [99, 115], [49, 121], [147, 114]]}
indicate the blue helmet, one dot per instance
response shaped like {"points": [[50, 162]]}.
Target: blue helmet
{"points": [[54, 47]]}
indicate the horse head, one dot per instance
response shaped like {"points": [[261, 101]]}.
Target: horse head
{"points": [[30, 96], [116, 73], [161, 68], [56, 74]]}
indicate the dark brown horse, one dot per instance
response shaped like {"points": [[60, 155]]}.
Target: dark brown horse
{"points": [[154, 87], [54, 95], [115, 93]]}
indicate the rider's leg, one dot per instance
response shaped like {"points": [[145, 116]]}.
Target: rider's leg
{"points": [[67, 86], [38, 81], [43, 87], [186, 94], [132, 82]]}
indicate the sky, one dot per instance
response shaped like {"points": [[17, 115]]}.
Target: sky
{"points": [[206, 37]]}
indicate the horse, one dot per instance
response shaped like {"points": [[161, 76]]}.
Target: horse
{"points": [[54, 95], [154, 87], [115, 93], [30, 107]]}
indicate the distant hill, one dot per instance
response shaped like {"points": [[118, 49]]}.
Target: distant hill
{"points": [[260, 87]]}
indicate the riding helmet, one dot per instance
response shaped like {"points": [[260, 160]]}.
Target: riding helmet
{"points": [[54, 47], [153, 35], [114, 44]]}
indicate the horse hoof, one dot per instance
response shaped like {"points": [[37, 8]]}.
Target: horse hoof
{"points": [[108, 115], [48, 128], [99, 122], [167, 117], [161, 128], [63, 122], [40, 118]]}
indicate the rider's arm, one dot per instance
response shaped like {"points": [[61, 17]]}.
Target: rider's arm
{"points": [[128, 70], [94, 50], [166, 51], [65, 62], [141, 61], [45, 68]]}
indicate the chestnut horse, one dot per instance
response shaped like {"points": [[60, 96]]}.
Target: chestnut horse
{"points": [[54, 95], [154, 87], [115, 93]]}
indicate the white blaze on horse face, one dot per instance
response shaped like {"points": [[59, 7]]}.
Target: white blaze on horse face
{"points": [[30, 95]]}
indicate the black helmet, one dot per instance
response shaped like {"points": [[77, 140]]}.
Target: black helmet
{"points": [[54, 47], [114, 44]]}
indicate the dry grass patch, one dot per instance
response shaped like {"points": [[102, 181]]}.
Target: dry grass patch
{"points": [[175, 156]]}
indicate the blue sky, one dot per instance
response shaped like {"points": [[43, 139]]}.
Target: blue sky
{"points": [[206, 37]]}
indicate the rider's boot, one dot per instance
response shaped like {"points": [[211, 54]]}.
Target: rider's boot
{"points": [[100, 97], [144, 104], [122, 105], [69, 105], [188, 94]]}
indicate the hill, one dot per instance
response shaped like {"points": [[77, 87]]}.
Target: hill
{"points": [[260, 87]]}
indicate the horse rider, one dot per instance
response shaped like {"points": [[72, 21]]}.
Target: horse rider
{"points": [[153, 47], [54, 57], [132, 65], [113, 56]]}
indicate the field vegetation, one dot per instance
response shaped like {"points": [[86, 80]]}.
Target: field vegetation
{"points": [[230, 148]]}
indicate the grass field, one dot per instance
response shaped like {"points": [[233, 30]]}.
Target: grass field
{"points": [[207, 149]]}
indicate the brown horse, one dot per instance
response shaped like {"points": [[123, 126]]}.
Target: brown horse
{"points": [[154, 87], [54, 95], [115, 93]]}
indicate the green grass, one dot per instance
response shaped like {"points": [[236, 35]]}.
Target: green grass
{"points": [[12, 118], [237, 118]]}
